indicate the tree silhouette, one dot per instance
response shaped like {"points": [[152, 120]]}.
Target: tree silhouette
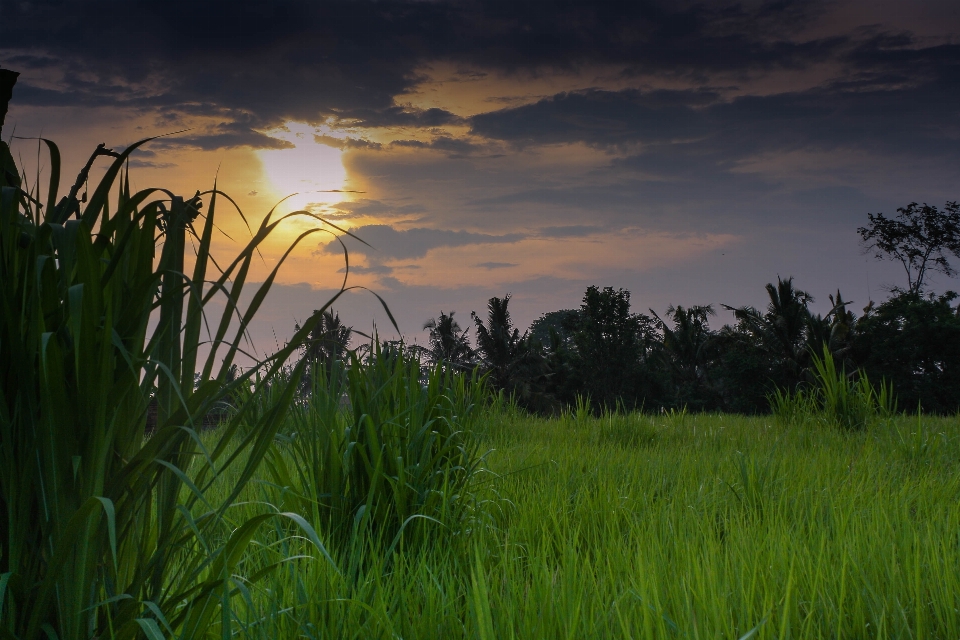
{"points": [[328, 344], [611, 346], [512, 362], [835, 330], [913, 342], [686, 350], [560, 322], [919, 238], [781, 332], [449, 344]]}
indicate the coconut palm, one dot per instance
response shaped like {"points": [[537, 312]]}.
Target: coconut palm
{"points": [[835, 330], [782, 331], [329, 340], [509, 358], [449, 344], [327, 347], [686, 348]]}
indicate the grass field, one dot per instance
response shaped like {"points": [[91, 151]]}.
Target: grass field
{"points": [[633, 526]]}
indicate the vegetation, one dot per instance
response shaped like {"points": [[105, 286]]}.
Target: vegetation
{"points": [[616, 358], [622, 525], [104, 532], [357, 494], [918, 237]]}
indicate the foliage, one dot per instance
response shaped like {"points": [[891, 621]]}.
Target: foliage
{"points": [[449, 344], [918, 237], [104, 532], [913, 342], [781, 332], [559, 322], [612, 349], [847, 401], [396, 459], [327, 346], [512, 362], [687, 352]]}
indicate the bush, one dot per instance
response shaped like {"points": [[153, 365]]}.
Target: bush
{"points": [[914, 342]]}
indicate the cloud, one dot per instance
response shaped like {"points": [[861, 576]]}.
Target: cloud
{"points": [[397, 116], [137, 163], [454, 146], [348, 61], [249, 138], [376, 209], [346, 143], [569, 231], [376, 269], [388, 243], [496, 265]]}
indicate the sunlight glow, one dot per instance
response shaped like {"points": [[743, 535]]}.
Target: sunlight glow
{"points": [[311, 170]]}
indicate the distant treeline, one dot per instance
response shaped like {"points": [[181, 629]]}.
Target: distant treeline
{"points": [[617, 358]]}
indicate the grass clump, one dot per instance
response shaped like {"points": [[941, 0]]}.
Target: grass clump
{"points": [[103, 532], [377, 451], [847, 401]]}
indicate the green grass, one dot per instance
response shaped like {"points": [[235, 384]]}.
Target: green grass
{"points": [[411, 511], [693, 526]]}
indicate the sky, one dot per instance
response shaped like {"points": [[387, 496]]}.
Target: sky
{"points": [[688, 152]]}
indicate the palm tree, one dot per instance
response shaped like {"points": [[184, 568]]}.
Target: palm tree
{"points": [[328, 344], [782, 331], [687, 346], [449, 344], [836, 330], [509, 358]]}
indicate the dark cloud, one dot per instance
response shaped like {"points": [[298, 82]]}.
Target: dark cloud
{"points": [[378, 209], [137, 163], [389, 243], [600, 117], [700, 123], [346, 143], [396, 116], [496, 265], [453, 146], [226, 140], [348, 60], [377, 269]]}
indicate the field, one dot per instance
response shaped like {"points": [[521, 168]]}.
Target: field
{"points": [[638, 526], [420, 508]]}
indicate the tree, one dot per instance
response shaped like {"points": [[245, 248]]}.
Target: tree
{"points": [[449, 343], [611, 348], [560, 322], [919, 237], [781, 333], [913, 342], [511, 360], [329, 339], [327, 345], [686, 351], [836, 330]]}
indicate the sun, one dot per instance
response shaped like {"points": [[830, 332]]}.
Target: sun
{"points": [[313, 171]]}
